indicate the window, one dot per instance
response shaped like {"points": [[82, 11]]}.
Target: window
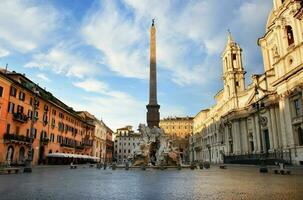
{"points": [[1, 91], [290, 35], [30, 114], [21, 96], [11, 107], [36, 115], [20, 109], [13, 91], [297, 107], [234, 56], [17, 130]]}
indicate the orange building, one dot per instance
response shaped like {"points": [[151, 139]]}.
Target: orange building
{"points": [[109, 145], [58, 131]]}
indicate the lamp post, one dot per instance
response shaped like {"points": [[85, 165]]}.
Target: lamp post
{"points": [[263, 167], [28, 162]]}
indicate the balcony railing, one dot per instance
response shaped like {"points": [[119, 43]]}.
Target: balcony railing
{"points": [[15, 137], [67, 145], [44, 140], [20, 117], [79, 147]]}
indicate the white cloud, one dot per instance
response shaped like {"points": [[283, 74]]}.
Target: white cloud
{"points": [[43, 77], [61, 60], [25, 26], [4, 52], [118, 38]]}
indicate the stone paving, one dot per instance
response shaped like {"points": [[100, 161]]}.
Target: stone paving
{"points": [[60, 182]]}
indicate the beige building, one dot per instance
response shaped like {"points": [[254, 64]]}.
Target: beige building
{"points": [[126, 140], [177, 127], [264, 119], [99, 135]]}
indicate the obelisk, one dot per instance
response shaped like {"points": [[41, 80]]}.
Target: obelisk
{"points": [[153, 115]]}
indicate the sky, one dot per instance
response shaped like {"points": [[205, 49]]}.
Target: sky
{"points": [[94, 54]]}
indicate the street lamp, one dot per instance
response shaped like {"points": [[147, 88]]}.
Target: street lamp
{"points": [[28, 162]]}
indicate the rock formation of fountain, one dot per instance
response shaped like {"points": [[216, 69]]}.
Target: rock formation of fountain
{"points": [[154, 149]]}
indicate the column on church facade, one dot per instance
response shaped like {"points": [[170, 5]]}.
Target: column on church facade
{"points": [[257, 134], [288, 124], [236, 137], [273, 124], [227, 150], [244, 136], [278, 125], [270, 130], [283, 122]]}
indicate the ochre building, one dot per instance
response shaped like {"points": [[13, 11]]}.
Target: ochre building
{"points": [[177, 127]]}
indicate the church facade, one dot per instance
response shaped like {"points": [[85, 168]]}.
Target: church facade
{"points": [[265, 119]]}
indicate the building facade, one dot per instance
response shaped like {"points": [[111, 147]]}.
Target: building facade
{"points": [[264, 119], [109, 145], [99, 135], [179, 129], [126, 140], [57, 128]]}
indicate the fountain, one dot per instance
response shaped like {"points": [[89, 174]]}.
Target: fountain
{"points": [[154, 149]]}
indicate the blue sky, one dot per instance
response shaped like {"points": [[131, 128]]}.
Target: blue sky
{"points": [[94, 54]]}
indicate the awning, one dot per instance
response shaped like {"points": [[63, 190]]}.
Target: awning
{"points": [[70, 155]]}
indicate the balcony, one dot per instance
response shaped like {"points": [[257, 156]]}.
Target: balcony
{"points": [[20, 117], [44, 140], [79, 147], [17, 138], [67, 145]]}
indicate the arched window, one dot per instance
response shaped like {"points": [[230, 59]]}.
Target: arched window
{"points": [[290, 35], [21, 154], [10, 153]]}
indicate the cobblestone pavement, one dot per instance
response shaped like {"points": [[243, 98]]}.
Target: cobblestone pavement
{"points": [[60, 182]]}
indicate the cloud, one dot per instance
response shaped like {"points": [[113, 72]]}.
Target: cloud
{"points": [[118, 38], [61, 60], [25, 25], [189, 35], [4, 52], [43, 77], [117, 108]]}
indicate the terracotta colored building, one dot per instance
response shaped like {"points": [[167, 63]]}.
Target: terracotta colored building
{"points": [[109, 145], [57, 128]]}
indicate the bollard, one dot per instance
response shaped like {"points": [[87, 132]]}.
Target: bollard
{"points": [[114, 166], [143, 167], [192, 166], [127, 166], [206, 165], [179, 167], [104, 166]]}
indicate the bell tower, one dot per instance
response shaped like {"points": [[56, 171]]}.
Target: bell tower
{"points": [[233, 71]]}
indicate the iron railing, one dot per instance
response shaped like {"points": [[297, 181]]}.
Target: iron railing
{"points": [[270, 158]]}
